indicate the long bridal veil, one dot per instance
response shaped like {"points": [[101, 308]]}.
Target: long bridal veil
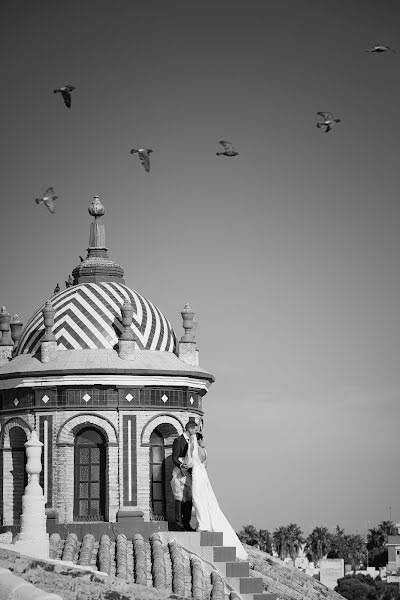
{"points": [[208, 512]]}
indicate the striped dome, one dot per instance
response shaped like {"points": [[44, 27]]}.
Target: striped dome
{"points": [[88, 315]]}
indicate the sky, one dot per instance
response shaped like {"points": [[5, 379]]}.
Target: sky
{"points": [[288, 253]]}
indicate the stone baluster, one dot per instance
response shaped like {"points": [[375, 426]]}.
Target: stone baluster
{"points": [[187, 349], [33, 538], [127, 344], [48, 346], [6, 342]]}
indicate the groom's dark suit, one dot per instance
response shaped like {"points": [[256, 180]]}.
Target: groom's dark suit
{"points": [[183, 510]]}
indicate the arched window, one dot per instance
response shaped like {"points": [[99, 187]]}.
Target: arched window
{"points": [[90, 475], [157, 474]]}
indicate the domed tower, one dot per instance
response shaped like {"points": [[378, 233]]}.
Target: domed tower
{"points": [[98, 372]]}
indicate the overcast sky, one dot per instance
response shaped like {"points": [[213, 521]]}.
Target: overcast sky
{"points": [[288, 253]]}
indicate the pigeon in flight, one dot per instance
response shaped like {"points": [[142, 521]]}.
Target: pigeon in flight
{"points": [[48, 200], [229, 150], [65, 90], [57, 288], [378, 48], [144, 156], [328, 121]]}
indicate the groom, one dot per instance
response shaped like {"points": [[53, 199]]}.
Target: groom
{"points": [[183, 506]]}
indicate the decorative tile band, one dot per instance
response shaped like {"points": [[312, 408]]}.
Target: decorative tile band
{"points": [[105, 398]]}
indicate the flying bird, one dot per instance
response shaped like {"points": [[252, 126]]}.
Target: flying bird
{"points": [[57, 288], [65, 90], [144, 156], [48, 200], [378, 48], [328, 121], [229, 150]]}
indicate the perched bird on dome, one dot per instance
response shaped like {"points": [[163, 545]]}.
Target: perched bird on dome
{"points": [[81, 258], [229, 150], [379, 49], [57, 288], [65, 90], [144, 156], [69, 282], [328, 121], [48, 200]]}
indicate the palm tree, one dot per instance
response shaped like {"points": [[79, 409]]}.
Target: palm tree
{"points": [[295, 540], [376, 542], [355, 550], [288, 541], [280, 542], [318, 543], [249, 535], [387, 528], [264, 541]]}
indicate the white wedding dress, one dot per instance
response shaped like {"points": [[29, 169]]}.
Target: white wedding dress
{"points": [[209, 515]]}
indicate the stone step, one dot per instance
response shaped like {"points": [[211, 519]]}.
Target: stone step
{"points": [[263, 596], [211, 538], [233, 569], [247, 585]]}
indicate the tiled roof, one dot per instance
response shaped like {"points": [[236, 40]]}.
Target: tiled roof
{"points": [[88, 316]]}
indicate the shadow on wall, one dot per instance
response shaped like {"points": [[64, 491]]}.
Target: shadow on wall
{"points": [[18, 471]]}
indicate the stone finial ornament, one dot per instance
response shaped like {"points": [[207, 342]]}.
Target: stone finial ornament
{"points": [[187, 316], [33, 538], [16, 329], [48, 346], [127, 344], [187, 351], [96, 208], [127, 317], [48, 317], [5, 319], [97, 266]]}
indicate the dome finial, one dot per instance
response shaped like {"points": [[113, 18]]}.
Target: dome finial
{"points": [[96, 208]]}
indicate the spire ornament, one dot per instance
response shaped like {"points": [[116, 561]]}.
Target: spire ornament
{"points": [[97, 266]]}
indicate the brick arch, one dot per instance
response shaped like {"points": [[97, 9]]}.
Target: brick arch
{"points": [[13, 422], [161, 421], [66, 433]]}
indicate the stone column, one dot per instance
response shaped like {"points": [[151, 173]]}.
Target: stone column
{"points": [[127, 344], [6, 343], [187, 350], [48, 347], [33, 538]]}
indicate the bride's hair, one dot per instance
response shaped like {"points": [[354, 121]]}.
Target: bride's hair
{"points": [[199, 436]]}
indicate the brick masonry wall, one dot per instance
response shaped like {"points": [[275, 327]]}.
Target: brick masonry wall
{"points": [[61, 435]]}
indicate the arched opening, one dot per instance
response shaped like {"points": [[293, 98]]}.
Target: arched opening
{"points": [[157, 474], [89, 475], [17, 437]]}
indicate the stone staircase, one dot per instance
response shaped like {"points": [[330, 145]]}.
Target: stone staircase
{"points": [[208, 546]]}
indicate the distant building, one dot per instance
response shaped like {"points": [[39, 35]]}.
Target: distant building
{"points": [[98, 372]]}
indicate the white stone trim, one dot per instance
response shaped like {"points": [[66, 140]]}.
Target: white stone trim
{"points": [[160, 420], [45, 458], [66, 434], [129, 460], [112, 379]]}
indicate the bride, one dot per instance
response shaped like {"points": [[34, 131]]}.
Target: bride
{"points": [[209, 515]]}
